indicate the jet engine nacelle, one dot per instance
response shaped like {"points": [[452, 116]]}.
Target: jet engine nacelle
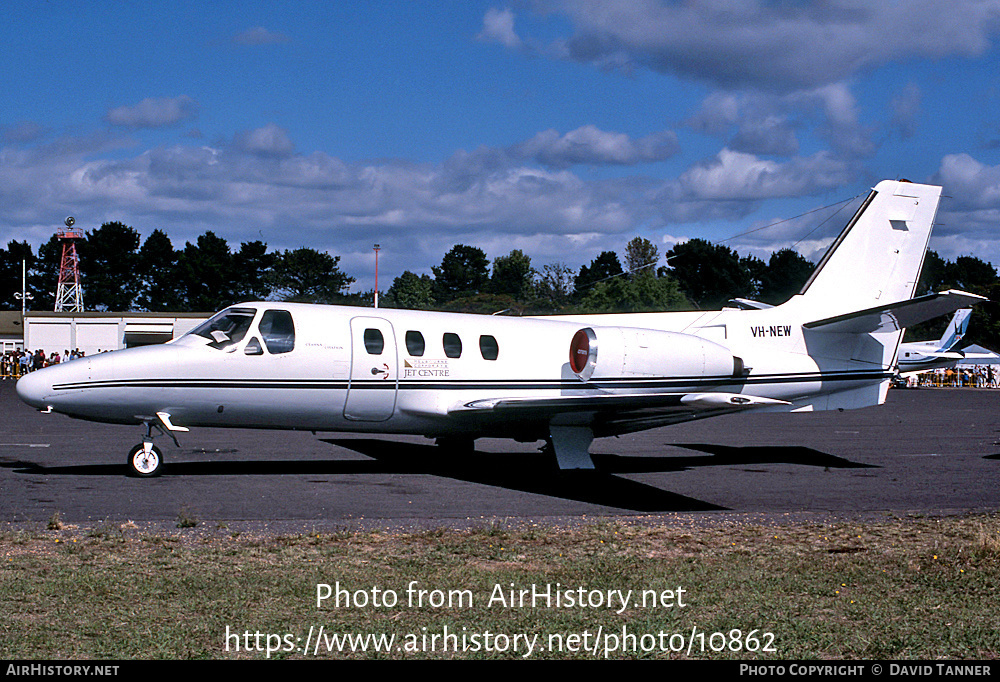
{"points": [[626, 351]]}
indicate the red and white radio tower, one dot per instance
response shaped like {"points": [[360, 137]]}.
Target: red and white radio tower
{"points": [[69, 293]]}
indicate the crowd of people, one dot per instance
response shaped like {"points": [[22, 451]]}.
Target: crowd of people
{"points": [[969, 376], [17, 363]]}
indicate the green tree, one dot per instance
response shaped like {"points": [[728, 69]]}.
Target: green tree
{"points": [[411, 291], [309, 275], [601, 268], [10, 274], [641, 257], [647, 293], [253, 265], [786, 273], [554, 286], [971, 274], [160, 289], [205, 273], [45, 279], [512, 275], [756, 271], [464, 271], [709, 274], [109, 265], [932, 274]]}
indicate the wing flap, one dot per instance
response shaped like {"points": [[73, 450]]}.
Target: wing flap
{"points": [[618, 403]]}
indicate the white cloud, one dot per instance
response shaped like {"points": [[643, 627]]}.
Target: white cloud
{"points": [[973, 184], [732, 175], [590, 145], [256, 186], [771, 45], [271, 140], [154, 113], [259, 35], [969, 215], [772, 123], [498, 27], [25, 131]]}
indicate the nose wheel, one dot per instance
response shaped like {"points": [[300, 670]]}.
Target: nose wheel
{"points": [[145, 460]]}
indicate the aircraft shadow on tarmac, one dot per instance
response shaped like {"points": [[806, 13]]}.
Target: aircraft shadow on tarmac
{"points": [[526, 472]]}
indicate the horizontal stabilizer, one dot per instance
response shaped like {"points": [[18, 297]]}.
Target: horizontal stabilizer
{"points": [[978, 353], [896, 316], [945, 355]]}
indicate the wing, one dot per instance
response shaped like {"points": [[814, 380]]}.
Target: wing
{"points": [[614, 414]]}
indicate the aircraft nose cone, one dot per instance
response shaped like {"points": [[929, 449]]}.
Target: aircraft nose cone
{"points": [[34, 388]]}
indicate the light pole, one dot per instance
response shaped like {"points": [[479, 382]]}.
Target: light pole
{"points": [[24, 296], [376, 247]]}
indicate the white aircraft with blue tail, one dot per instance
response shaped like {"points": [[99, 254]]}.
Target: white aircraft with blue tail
{"points": [[920, 356]]}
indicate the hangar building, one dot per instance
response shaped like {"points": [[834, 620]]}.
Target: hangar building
{"points": [[94, 332], [11, 331]]}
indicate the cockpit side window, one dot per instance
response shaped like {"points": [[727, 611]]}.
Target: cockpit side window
{"points": [[226, 329], [278, 331], [253, 347]]}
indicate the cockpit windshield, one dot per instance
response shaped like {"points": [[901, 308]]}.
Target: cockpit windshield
{"points": [[226, 329]]}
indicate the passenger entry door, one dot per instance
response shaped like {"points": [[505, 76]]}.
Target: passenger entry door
{"points": [[371, 394]]}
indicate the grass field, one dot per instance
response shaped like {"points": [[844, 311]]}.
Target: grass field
{"points": [[698, 588]]}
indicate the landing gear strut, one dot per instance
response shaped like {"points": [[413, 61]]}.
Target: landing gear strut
{"points": [[571, 445]]}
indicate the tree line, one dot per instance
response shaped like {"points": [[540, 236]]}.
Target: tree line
{"points": [[119, 272], [122, 272]]}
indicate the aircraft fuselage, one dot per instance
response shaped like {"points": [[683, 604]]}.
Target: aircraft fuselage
{"points": [[396, 371]]}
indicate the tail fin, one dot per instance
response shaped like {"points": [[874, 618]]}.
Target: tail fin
{"points": [[956, 330], [876, 260]]}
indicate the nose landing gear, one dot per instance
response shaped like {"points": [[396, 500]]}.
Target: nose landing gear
{"points": [[145, 460]]}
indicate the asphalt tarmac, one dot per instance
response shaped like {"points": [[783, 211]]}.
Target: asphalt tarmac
{"points": [[926, 451]]}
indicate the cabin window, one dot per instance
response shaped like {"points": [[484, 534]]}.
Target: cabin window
{"points": [[278, 331], [374, 341], [415, 343], [488, 347], [226, 329], [452, 345]]}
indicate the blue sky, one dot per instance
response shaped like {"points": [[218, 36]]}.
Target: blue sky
{"points": [[559, 128]]}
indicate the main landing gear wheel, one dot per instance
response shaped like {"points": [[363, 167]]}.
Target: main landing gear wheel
{"points": [[145, 460]]}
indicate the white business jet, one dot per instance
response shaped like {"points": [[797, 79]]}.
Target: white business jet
{"points": [[563, 379], [919, 356]]}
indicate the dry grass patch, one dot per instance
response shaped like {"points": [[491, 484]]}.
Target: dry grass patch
{"points": [[904, 588]]}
